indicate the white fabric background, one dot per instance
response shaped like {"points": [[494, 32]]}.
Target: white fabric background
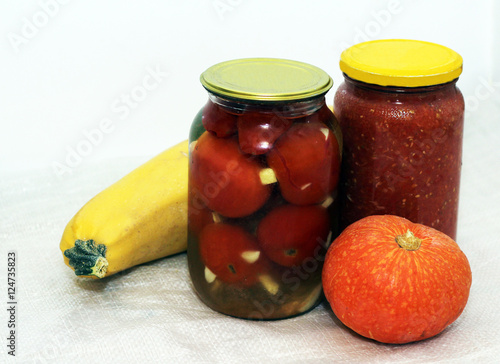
{"points": [[151, 314], [60, 82]]}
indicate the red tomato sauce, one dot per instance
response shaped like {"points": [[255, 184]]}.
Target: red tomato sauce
{"points": [[402, 152]]}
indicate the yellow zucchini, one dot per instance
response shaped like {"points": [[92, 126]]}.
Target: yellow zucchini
{"points": [[140, 218]]}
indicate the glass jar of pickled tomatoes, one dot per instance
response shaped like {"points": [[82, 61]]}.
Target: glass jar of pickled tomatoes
{"points": [[401, 116], [264, 165]]}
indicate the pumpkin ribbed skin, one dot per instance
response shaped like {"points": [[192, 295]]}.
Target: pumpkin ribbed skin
{"points": [[385, 292]]}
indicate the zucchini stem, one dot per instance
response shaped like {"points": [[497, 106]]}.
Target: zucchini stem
{"points": [[88, 258]]}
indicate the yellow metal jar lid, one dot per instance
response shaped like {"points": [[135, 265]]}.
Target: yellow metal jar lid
{"points": [[266, 79], [401, 62]]}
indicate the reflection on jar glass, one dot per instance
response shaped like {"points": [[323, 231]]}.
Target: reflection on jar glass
{"points": [[264, 166]]}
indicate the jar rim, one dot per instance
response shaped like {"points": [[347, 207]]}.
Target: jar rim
{"points": [[398, 89], [266, 79], [401, 62]]}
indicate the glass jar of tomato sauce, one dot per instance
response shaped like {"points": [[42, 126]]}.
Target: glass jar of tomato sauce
{"points": [[264, 166], [401, 116]]}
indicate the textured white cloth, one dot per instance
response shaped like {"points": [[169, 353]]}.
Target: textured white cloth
{"points": [[151, 314]]}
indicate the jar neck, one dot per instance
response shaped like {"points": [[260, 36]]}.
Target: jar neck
{"points": [[288, 109], [398, 89]]}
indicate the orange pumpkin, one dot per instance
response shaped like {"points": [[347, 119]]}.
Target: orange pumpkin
{"points": [[395, 281]]}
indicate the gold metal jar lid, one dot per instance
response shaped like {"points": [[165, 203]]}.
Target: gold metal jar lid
{"points": [[266, 79]]}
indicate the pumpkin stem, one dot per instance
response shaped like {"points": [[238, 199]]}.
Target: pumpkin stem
{"points": [[88, 258], [408, 241]]}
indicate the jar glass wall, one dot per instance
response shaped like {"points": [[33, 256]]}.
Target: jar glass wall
{"points": [[262, 203], [402, 151]]}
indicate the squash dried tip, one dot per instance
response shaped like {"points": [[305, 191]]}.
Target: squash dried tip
{"points": [[88, 258], [100, 268]]}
